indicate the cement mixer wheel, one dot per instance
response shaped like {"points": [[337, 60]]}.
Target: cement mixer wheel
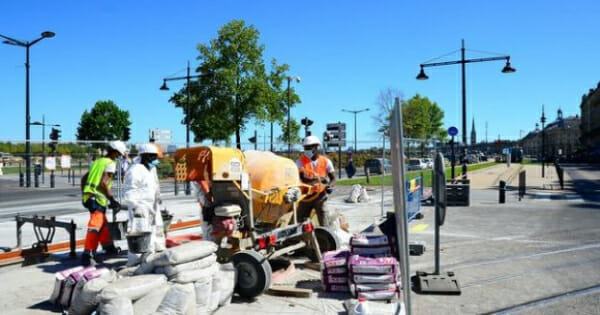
{"points": [[327, 240], [253, 273]]}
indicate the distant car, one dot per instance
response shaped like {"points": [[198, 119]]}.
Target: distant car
{"points": [[416, 164], [472, 158], [428, 162], [377, 166]]}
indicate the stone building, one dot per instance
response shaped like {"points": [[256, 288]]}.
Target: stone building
{"points": [[561, 139], [590, 124]]}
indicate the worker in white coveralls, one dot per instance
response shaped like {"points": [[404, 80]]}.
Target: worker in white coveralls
{"points": [[142, 197]]}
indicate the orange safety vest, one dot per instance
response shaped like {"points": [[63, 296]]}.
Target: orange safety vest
{"points": [[309, 170]]}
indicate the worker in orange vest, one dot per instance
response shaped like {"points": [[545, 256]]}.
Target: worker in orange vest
{"points": [[316, 170]]}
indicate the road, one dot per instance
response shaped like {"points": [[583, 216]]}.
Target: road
{"points": [[585, 180]]}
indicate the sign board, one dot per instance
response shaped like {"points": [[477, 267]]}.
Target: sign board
{"points": [[452, 131], [162, 136], [337, 134], [65, 161], [50, 163]]}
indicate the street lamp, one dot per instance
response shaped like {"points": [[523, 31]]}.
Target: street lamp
{"points": [[289, 101], [463, 61], [43, 124], [543, 121], [186, 110], [355, 112], [27, 45]]}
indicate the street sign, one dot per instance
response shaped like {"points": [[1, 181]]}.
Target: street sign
{"points": [[452, 131], [337, 134], [65, 161], [50, 163]]}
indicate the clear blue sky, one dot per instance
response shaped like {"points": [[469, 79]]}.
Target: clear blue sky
{"points": [[345, 52]]}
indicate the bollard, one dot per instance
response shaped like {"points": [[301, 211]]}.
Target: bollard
{"points": [[21, 177], [80, 167], [36, 180], [502, 192], [68, 175], [176, 191], [73, 177], [52, 179]]}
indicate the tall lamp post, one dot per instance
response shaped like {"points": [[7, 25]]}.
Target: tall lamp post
{"points": [[289, 103], [186, 110], [355, 112], [43, 124], [27, 45], [543, 121], [463, 62]]}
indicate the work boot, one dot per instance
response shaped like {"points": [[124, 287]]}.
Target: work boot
{"points": [[87, 260], [111, 250]]}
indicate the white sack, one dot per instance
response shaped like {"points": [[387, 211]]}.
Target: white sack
{"points": [[179, 300], [171, 270], [194, 275], [117, 306], [150, 302], [187, 252], [133, 288]]}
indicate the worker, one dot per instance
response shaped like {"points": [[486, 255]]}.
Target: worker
{"points": [[142, 196], [316, 170], [97, 197]]}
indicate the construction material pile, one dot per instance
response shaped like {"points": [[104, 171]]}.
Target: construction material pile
{"points": [[370, 271], [185, 279]]}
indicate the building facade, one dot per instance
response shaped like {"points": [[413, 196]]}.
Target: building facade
{"points": [[590, 124], [561, 139]]}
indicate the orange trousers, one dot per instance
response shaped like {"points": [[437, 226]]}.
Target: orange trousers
{"points": [[98, 232]]}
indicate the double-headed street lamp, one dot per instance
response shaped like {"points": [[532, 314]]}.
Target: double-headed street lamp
{"points": [[289, 103], [186, 110], [355, 112], [27, 45], [463, 62], [43, 124]]}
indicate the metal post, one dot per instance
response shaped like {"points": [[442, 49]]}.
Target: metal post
{"points": [[43, 148], [464, 107], [36, 180], [73, 176], [21, 176], [271, 137], [52, 179], [355, 145], [72, 240], [502, 192], [383, 176], [453, 161], [340, 160], [27, 119], [187, 125], [288, 117], [19, 232]]}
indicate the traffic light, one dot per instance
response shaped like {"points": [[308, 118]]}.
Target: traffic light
{"points": [[306, 122], [54, 136], [252, 139], [126, 134]]}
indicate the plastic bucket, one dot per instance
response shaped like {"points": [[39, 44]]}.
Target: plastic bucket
{"points": [[139, 242]]}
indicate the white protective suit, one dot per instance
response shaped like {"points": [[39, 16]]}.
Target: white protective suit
{"points": [[141, 195]]}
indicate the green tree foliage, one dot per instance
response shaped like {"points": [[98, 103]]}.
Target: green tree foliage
{"points": [[423, 119], [105, 121], [234, 86], [294, 134]]}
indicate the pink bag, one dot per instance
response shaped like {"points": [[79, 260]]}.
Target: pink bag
{"points": [[335, 259], [70, 282], [362, 279], [335, 271], [59, 283], [341, 279], [366, 265], [374, 252], [335, 288], [368, 240]]}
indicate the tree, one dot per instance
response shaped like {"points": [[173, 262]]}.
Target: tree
{"points": [[105, 121], [423, 119], [294, 132], [385, 105]]}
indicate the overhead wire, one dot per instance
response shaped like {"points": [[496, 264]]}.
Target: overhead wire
{"points": [[442, 56]]}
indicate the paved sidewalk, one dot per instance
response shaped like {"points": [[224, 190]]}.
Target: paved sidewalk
{"points": [[490, 177], [534, 179]]}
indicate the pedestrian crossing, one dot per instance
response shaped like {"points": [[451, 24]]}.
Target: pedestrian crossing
{"points": [[555, 196]]}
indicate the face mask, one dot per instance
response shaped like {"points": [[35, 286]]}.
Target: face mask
{"points": [[309, 153], [154, 163]]}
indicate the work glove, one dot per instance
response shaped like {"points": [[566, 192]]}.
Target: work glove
{"points": [[114, 205], [329, 189]]}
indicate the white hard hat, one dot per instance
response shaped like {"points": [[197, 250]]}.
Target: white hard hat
{"points": [[118, 146], [311, 140], [147, 148]]}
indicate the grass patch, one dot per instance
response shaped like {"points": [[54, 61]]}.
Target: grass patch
{"points": [[387, 180]]}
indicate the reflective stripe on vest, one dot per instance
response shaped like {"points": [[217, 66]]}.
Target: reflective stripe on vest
{"points": [[311, 171]]}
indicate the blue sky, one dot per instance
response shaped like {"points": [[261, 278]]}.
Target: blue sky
{"points": [[344, 51]]}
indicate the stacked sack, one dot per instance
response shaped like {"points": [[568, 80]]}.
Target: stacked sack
{"points": [[373, 272], [77, 289], [334, 276]]}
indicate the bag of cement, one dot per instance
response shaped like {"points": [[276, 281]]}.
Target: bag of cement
{"points": [[103, 273], [179, 300], [185, 253], [335, 287], [59, 282], [70, 283], [378, 295], [127, 272], [370, 287], [133, 288], [88, 298], [373, 252], [150, 302], [225, 280], [203, 291], [116, 306], [215, 296], [359, 279], [146, 264], [369, 240], [203, 263], [337, 258], [354, 194], [364, 196], [193, 275]]}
